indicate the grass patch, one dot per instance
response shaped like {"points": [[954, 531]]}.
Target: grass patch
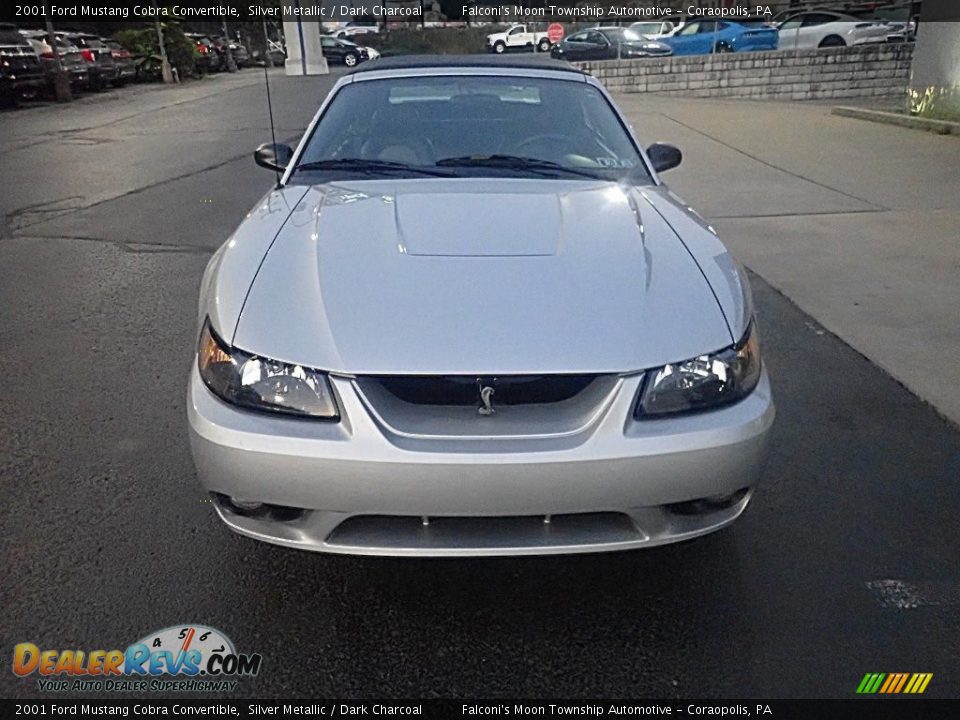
{"points": [[935, 103]]}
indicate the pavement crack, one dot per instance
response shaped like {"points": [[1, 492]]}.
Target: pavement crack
{"points": [[43, 211], [771, 165], [158, 108], [135, 191], [134, 248], [816, 213]]}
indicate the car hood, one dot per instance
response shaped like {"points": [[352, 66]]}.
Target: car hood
{"points": [[475, 276]]}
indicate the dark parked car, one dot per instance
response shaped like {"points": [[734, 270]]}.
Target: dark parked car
{"points": [[337, 50], [241, 56], [126, 66], [21, 75], [209, 58], [99, 58], [607, 44], [70, 59]]}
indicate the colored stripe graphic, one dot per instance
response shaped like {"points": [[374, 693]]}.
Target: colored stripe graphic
{"points": [[894, 683], [903, 680], [891, 679]]}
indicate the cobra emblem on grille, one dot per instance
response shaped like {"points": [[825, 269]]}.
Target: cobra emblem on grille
{"points": [[486, 397]]}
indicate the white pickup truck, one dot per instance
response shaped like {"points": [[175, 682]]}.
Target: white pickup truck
{"points": [[517, 37]]}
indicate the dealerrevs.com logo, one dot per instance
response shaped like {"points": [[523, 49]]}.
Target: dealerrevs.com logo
{"points": [[181, 658]]}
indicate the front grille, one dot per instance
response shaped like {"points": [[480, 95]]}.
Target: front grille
{"points": [[462, 390], [519, 406]]}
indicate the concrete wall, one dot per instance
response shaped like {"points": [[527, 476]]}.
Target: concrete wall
{"points": [[872, 70]]}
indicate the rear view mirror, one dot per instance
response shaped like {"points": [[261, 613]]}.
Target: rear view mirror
{"points": [[273, 156], [664, 156]]}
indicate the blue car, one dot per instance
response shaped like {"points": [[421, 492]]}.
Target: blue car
{"points": [[707, 36]]}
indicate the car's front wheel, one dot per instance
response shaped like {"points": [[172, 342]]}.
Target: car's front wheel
{"points": [[722, 48], [832, 41], [499, 47], [349, 59]]}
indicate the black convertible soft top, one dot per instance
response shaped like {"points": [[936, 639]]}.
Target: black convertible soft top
{"points": [[528, 61]]}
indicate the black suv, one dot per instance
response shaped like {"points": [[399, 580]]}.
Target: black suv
{"points": [[21, 75], [99, 58]]}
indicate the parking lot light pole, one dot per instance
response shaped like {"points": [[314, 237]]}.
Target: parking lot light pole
{"points": [[61, 79]]}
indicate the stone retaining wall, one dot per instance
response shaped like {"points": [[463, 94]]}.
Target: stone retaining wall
{"points": [[865, 71]]}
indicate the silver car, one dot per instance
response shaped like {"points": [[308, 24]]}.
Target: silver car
{"points": [[471, 320]]}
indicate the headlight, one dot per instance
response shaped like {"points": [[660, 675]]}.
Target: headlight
{"points": [[704, 382], [260, 384]]}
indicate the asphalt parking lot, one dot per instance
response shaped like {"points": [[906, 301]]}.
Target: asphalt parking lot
{"points": [[845, 563]]}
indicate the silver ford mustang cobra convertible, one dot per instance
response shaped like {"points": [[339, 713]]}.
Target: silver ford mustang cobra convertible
{"points": [[471, 320]]}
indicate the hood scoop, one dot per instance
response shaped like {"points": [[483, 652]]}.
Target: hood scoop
{"points": [[478, 224]]}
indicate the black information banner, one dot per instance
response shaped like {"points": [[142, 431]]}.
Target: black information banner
{"points": [[389, 11], [873, 709], [70, 13]]}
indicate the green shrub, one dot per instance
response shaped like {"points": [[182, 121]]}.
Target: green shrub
{"points": [[181, 50]]}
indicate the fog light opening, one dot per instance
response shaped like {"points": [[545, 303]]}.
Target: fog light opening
{"points": [[257, 509], [247, 506], [707, 505]]}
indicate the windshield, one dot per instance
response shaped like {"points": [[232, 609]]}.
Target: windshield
{"points": [[622, 34], [651, 28], [11, 37], [472, 126]]}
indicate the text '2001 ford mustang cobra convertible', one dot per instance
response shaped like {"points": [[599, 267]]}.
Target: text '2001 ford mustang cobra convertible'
{"points": [[470, 320]]}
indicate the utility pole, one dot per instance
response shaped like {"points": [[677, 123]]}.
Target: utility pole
{"points": [[231, 63], [61, 80], [165, 70], [266, 44], [164, 62]]}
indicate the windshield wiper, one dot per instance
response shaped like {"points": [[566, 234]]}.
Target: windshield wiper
{"points": [[370, 167], [515, 162]]}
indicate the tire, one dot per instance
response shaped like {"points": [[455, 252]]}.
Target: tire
{"points": [[499, 47], [543, 45], [350, 60], [832, 41], [722, 48]]}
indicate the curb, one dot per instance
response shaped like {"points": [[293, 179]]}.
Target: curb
{"points": [[941, 127]]}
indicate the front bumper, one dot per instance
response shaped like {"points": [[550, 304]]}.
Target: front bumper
{"points": [[23, 84], [355, 487]]}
